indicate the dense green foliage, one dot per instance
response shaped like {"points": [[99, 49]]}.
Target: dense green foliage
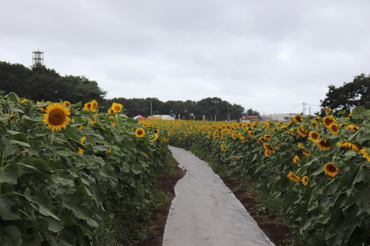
{"points": [[40, 83], [212, 108], [322, 186], [348, 96], [61, 187]]}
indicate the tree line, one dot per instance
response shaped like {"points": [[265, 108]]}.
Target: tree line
{"points": [[348, 96], [39, 83]]}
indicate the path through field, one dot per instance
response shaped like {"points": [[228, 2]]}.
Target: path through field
{"points": [[205, 212]]}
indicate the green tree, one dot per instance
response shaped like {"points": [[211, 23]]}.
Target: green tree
{"points": [[349, 96], [252, 112]]}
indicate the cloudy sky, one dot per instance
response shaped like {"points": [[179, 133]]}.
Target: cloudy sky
{"points": [[269, 55]]}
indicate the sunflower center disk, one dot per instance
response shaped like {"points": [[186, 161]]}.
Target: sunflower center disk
{"points": [[57, 117], [205, 212]]}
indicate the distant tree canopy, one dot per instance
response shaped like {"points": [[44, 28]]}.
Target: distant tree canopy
{"points": [[349, 96], [212, 108], [252, 112], [40, 83]]}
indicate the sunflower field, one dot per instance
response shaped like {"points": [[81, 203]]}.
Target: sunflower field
{"points": [[318, 168], [65, 168]]}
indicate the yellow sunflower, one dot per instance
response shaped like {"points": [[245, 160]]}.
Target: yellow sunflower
{"points": [[145, 155], [305, 180], [261, 140], [348, 145], [297, 118], [303, 132], [323, 144], [293, 177], [328, 120], [140, 132], [328, 110], [108, 151], [117, 107], [365, 154], [155, 138], [87, 106], [267, 153], [251, 134], [110, 111], [292, 131], [223, 147], [331, 169], [296, 159], [334, 128], [56, 117], [306, 153], [314, 136], [83, 139], [156, 131], [268, 136], [80, 127], [234, 159], [94, 105], [269, 147], [81, 151], [352, 128], [66, 104], [315, 124], [300, 146]]}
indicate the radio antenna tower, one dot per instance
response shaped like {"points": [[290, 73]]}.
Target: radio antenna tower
{"points": [[37, 57]]}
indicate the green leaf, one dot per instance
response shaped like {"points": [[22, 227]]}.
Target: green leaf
{"points": [[10, 173], [7, 210], [41, 198], [10, 236], [318, 171], [54, 225], [63, 178], [19, 143]]}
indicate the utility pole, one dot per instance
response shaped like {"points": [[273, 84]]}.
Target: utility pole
{"points": [[228, 114], [304, 108]]}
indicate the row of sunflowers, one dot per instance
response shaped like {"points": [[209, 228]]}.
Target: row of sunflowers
{"points": [[318, 167], [65, 168]]}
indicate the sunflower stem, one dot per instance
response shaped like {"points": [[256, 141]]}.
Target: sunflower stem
{"points": [[354, 134]]}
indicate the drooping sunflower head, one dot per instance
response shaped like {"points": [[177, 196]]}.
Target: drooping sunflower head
{"points": [[306, 153], [261, 140], [110, 111], [328, 110], [296, 159], [66, 104], [300, 146], [305, 180], [269, 147], [292, 131], [251, 134], [323, 144], [293, 177], [56, 117], [303, 132], [315, 124], [117, 107], [140, 132], [268, 136], [297, 118], [352, 128], [234, 135], [314, 136], [94, 105], [331, 169], [334, 128]]}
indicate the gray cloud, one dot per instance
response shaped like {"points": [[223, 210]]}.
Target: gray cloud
{"points": [[254, 53]]}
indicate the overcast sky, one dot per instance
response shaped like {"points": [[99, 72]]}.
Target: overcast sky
{"points": [[267, 55]]}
